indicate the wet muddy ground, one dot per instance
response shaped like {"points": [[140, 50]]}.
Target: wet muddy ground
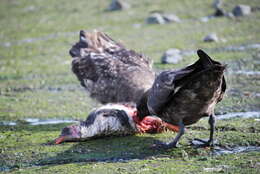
{"points": [[25, 145]]}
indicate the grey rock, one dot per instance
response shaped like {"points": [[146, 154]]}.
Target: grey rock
{"points": [[118, 5], [211, 38], [159, 18], [171, 18], [172, 56], [206, 18], [241, 10], [217, 4], [155, 18]]}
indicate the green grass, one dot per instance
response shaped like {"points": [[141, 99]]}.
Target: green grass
{"points": [[36, 82], [25, 148]]}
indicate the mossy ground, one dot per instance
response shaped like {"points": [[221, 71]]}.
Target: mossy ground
{"points": [[36, 82]]}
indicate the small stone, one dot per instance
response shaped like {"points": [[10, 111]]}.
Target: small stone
{"points": [[155, 18], [211, 38], [172, 56], [137, 25], [241, 10], [118, 5], [217, 4], [171, 18], [204, 19]]}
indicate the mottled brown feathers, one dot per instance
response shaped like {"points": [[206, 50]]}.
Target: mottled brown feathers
{"points": [[187, 94], [109, 71]]}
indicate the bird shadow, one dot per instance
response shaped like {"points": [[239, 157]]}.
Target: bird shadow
{"points": [[106, 149]]}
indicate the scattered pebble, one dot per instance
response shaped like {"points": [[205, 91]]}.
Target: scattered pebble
{"points": [[137, 25], [206, 18], [211, 38], [217, 4], [159, 18], [172, 56], [118, 5], [155, 18], [241, 10]]}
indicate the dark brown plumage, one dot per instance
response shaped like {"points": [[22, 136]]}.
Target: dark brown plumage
{"points": [[109, 71], [112, 73], [184, 96]]}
